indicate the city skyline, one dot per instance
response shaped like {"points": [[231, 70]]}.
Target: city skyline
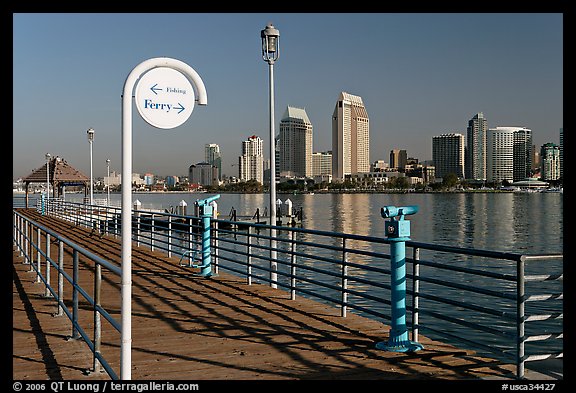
{"points": [[427, 74]]}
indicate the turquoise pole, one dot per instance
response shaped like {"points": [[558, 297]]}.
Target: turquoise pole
{"points": [[206, 268]]}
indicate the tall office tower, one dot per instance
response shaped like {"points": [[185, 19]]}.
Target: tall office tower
{"points": [[321, 163], [476, 147], [562, 153], [398, 159], [212, 156], [500, 154], [350, 137], [522, 153], [251, 162], [448, 154], [550, 158], [295, 143]]}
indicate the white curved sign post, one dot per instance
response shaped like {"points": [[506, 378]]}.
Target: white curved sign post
{"points": [[165, 96]]}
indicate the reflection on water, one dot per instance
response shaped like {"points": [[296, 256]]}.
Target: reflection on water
{"points": [[518, 222]]}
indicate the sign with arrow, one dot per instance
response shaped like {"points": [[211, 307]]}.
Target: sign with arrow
{"points": [[164, 97]]}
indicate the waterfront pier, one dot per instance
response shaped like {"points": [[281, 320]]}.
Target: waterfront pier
{"points": [[188, 327]]}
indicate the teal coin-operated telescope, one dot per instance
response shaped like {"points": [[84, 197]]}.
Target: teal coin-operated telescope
{"points": [[400, 227], [205, 211], [397, 230]]}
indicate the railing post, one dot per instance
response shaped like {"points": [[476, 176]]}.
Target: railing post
{"points": [[97, 322], [24, 240], [169, 236], [138, 230], [152, 233], [75, 280], [28, 248], [38, 260], [60, 277], [116, 225], [293, 265], [106, 221], [520, 302], [343, 307], [190, 241], [17, 232], [416, 292], [215, 246], [249, 256], [47, 290], [15, 229]]}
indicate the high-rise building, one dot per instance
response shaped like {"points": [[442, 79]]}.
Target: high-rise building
{"points": [[204, 174], [212, 156], [561, 153], [522, 154], [295, 143], [321, 163], [350, 137], [398, 159], [448, 154], [476, 147], [550, 158], [251, 162], [500, 154]]}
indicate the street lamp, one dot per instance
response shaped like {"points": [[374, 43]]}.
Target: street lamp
{"points": [[48, 174], [108, 182], [90, 134], [270, 53]]}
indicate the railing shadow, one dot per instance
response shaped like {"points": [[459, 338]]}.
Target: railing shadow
{"points": [[315, 341]]}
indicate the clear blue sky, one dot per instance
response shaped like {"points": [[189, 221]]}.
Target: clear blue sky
{"points": [[419, 75]]}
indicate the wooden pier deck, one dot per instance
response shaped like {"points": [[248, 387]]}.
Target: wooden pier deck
{"points": [[187, 327]]}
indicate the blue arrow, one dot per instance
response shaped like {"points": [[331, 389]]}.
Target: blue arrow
{"points": [[154, 88], [180, 107]]}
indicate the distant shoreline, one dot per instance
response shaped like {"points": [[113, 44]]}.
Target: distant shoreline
{"points": [[473, 191]]}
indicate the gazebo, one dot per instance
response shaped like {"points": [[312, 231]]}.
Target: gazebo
{"points": [[61, 174]]}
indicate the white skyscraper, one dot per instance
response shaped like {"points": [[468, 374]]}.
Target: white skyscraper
{"points": [[251, 162], [295, 143], [213, 157], [350, 137], [500, 154]]}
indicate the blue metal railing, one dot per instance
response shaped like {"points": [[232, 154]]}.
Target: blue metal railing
{"points": [[27, 243], [487, 300]]}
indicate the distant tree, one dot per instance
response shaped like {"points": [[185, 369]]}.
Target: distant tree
{"points": [[449, 180]]}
